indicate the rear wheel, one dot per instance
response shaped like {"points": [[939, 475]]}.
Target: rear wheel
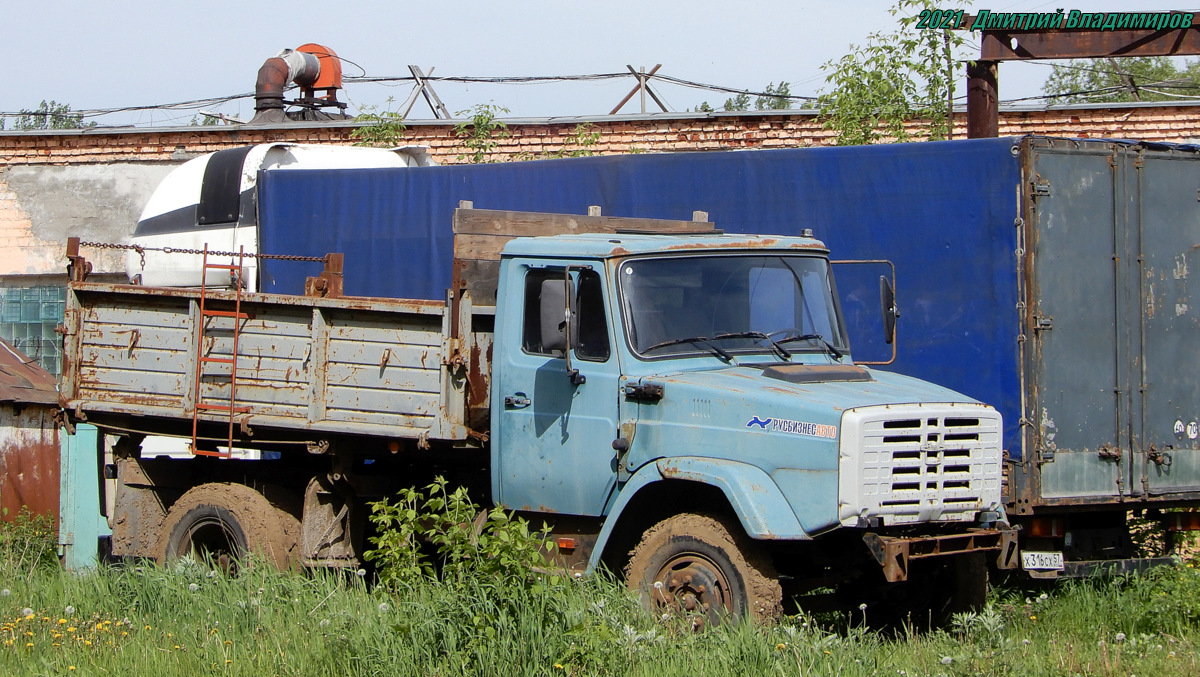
{"points": [[703, 567], [225, 522]]}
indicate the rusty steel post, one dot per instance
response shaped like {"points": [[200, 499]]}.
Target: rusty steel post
{"points": [[983, 102]]}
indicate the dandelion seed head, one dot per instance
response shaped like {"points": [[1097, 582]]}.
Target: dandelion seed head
{"points": [[211, 574], [324, 623], [947, 660], [192, 587], [5, 592], [383, 607], [69, 610], [862, 607], [361, 573], [658, 585], [1025, 642], [1120, 637], [27, 612]]}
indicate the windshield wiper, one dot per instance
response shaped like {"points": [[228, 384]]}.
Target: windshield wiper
{"points": [[780, 350], [702, 341], [837, 354]]}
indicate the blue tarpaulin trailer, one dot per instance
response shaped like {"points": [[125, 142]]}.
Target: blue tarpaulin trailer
{"points": [[1047, 277]]}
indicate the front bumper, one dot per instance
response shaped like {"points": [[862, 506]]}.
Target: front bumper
{"points": [[894, 553]]}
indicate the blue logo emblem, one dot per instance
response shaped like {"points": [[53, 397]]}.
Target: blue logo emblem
{"points": [[756, 421]]}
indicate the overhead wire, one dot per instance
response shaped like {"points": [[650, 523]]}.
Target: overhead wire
{"points": [[197, 104]]}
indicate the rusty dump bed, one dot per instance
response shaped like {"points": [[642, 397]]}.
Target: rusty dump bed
{"points": [[326, 366]]}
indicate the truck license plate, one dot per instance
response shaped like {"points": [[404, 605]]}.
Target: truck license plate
{"points": [[1046, 561]]}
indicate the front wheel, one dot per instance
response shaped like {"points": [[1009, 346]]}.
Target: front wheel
{"points": [[704, 567]]}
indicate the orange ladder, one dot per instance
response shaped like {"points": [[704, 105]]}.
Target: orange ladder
{"points": [[231, 408]]}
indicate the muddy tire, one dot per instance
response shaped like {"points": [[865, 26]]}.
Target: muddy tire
{"points": [[704, 567], [227, 521]]}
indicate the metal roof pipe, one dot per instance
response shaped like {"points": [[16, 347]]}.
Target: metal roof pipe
{"points": [[274, 76]]}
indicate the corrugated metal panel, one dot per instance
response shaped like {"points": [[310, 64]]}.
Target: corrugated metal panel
{"points": [[29, 470], [1114, 236], [22, 379]]}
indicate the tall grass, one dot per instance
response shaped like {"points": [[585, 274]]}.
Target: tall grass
{"points": [[190, 619]]}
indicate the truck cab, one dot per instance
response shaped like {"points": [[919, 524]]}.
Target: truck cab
{"points": [[663, 381]]}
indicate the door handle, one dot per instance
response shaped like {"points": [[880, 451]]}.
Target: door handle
{"points": [[516, 401]]}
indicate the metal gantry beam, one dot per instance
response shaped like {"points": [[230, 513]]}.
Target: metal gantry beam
{"points": [[1007, 44]]}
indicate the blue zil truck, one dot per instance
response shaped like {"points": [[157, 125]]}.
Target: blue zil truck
{"points": [[674, 403]]}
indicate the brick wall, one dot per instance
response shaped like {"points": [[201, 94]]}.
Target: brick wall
{"points": [[618, 134], [70, 176]]}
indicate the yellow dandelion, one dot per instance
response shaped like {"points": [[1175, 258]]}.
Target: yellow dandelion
{"points": [[29, 644], [558, 666], [780, 646], [57, 635], [170, 635], [70, 667], [29, 617], [62, 621], [1033, 618], [147, 628], [176, 646], [87, 642], [228, 642], [56, 644], [227, 661], [71, 629], [124, 634], [29, 633]]}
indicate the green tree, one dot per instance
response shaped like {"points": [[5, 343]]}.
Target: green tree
{"points": [[776, 98], [480, 132], [896, 77], [382, 129], [739, 102], [50, 115], [1117, 80]]}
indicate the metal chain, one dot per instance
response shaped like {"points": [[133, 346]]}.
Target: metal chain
{"points": [[173, 250]]}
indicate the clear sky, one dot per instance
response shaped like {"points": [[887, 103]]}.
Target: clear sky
{"points": [[102, 55]]}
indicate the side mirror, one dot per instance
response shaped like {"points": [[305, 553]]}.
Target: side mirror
{"points": [[887, 305], [557, 314], [560, 328]]}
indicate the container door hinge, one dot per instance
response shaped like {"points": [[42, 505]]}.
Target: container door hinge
{"points": [[1043, 323], [1041, 188]]}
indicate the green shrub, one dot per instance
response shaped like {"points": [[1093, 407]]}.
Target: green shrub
{"points": [[28, 543], [468, 541]]}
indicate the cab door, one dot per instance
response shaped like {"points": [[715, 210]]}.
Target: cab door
{"points": [[552, 448]]}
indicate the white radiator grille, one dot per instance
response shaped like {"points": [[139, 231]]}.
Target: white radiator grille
{"points": [[919, 463]]}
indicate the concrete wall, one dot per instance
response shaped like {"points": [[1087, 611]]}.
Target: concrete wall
{"points": [[40, 206]]}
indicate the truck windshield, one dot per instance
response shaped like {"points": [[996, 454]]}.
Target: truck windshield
{"points": [[726, 305]]}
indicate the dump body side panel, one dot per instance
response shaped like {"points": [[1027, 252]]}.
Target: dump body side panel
{"points": [[326, 366]]}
